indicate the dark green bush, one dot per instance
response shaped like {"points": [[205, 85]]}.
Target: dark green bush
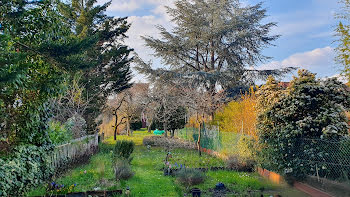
{"points": [[123, 149], [189, 177], [136, 125], [105, 148], [26, 168], [302, 125], [122, 170]]}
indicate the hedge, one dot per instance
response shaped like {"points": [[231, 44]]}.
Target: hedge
{"points": [[27, 167]]}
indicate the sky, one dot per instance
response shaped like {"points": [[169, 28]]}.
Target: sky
{"points": [[306, 28]]}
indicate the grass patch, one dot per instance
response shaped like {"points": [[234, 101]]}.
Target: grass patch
{"points": [[149, 179], [136, 137]]}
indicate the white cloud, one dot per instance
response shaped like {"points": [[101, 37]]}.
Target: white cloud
{"points": [[319, 61], [124, 5], [340, 78], [143, 26], [162, 11]]}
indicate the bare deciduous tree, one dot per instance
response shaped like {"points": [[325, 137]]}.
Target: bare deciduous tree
{"points": [[127, 106]]}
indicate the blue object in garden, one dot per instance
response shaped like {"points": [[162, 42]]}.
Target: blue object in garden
{"points": [[158, 132], [219, 186]]}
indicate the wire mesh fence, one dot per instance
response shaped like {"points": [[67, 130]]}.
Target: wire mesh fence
{"points": [[322, 158], [325, 158], [212, 138]]}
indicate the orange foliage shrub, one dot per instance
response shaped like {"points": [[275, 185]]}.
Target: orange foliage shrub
{"points": [[239, 116], [107, 127], [193, 121]]}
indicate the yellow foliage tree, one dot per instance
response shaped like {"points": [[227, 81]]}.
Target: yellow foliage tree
{"points": [[239, 116]]}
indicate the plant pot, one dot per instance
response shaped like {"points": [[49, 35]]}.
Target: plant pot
{"points": [[196, 192]]}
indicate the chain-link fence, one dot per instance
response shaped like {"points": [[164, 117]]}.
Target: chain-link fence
{"points": [[321, 158], [212, 138], [325, 158]]}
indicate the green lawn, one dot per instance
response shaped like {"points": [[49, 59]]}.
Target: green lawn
{"points": [[137, 137], [149, 179]]}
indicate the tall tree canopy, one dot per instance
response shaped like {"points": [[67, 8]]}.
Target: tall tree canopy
{"points": [[43, 45], [35, 49], [109, 60], [213, 42]]}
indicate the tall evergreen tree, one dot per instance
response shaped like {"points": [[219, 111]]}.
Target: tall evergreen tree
{"points": [[214, 43], [109, 71], [35, 50]]}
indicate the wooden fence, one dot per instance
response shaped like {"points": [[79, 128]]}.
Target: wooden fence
{"points": [[73, 150]]}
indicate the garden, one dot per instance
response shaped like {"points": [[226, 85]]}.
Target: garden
{"points": [[148, 178], [84, 112]]}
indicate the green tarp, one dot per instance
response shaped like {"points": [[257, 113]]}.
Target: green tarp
{"points": [[158, 132]]}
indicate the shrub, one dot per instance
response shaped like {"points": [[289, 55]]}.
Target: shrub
{"points": [[135, 125], [190, 176], [122, 170], [123, 149], [307, 109], [105, 148], [239, 116], [234, 162], [59, 133], [77, 126], [26, 168], [168, 142], [246, 147]]}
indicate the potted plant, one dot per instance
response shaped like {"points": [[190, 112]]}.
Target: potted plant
{"points": [[196, 192]]}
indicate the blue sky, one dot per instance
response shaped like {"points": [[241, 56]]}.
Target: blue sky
{"points": [[306, 28]]}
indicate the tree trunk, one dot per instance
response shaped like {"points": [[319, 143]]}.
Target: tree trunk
{"points": [[115, 127], [165, 129], [128, 126], [150, 126], [199, 140]]}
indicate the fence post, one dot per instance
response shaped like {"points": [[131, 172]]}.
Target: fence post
{"points": [[318, 177]]}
